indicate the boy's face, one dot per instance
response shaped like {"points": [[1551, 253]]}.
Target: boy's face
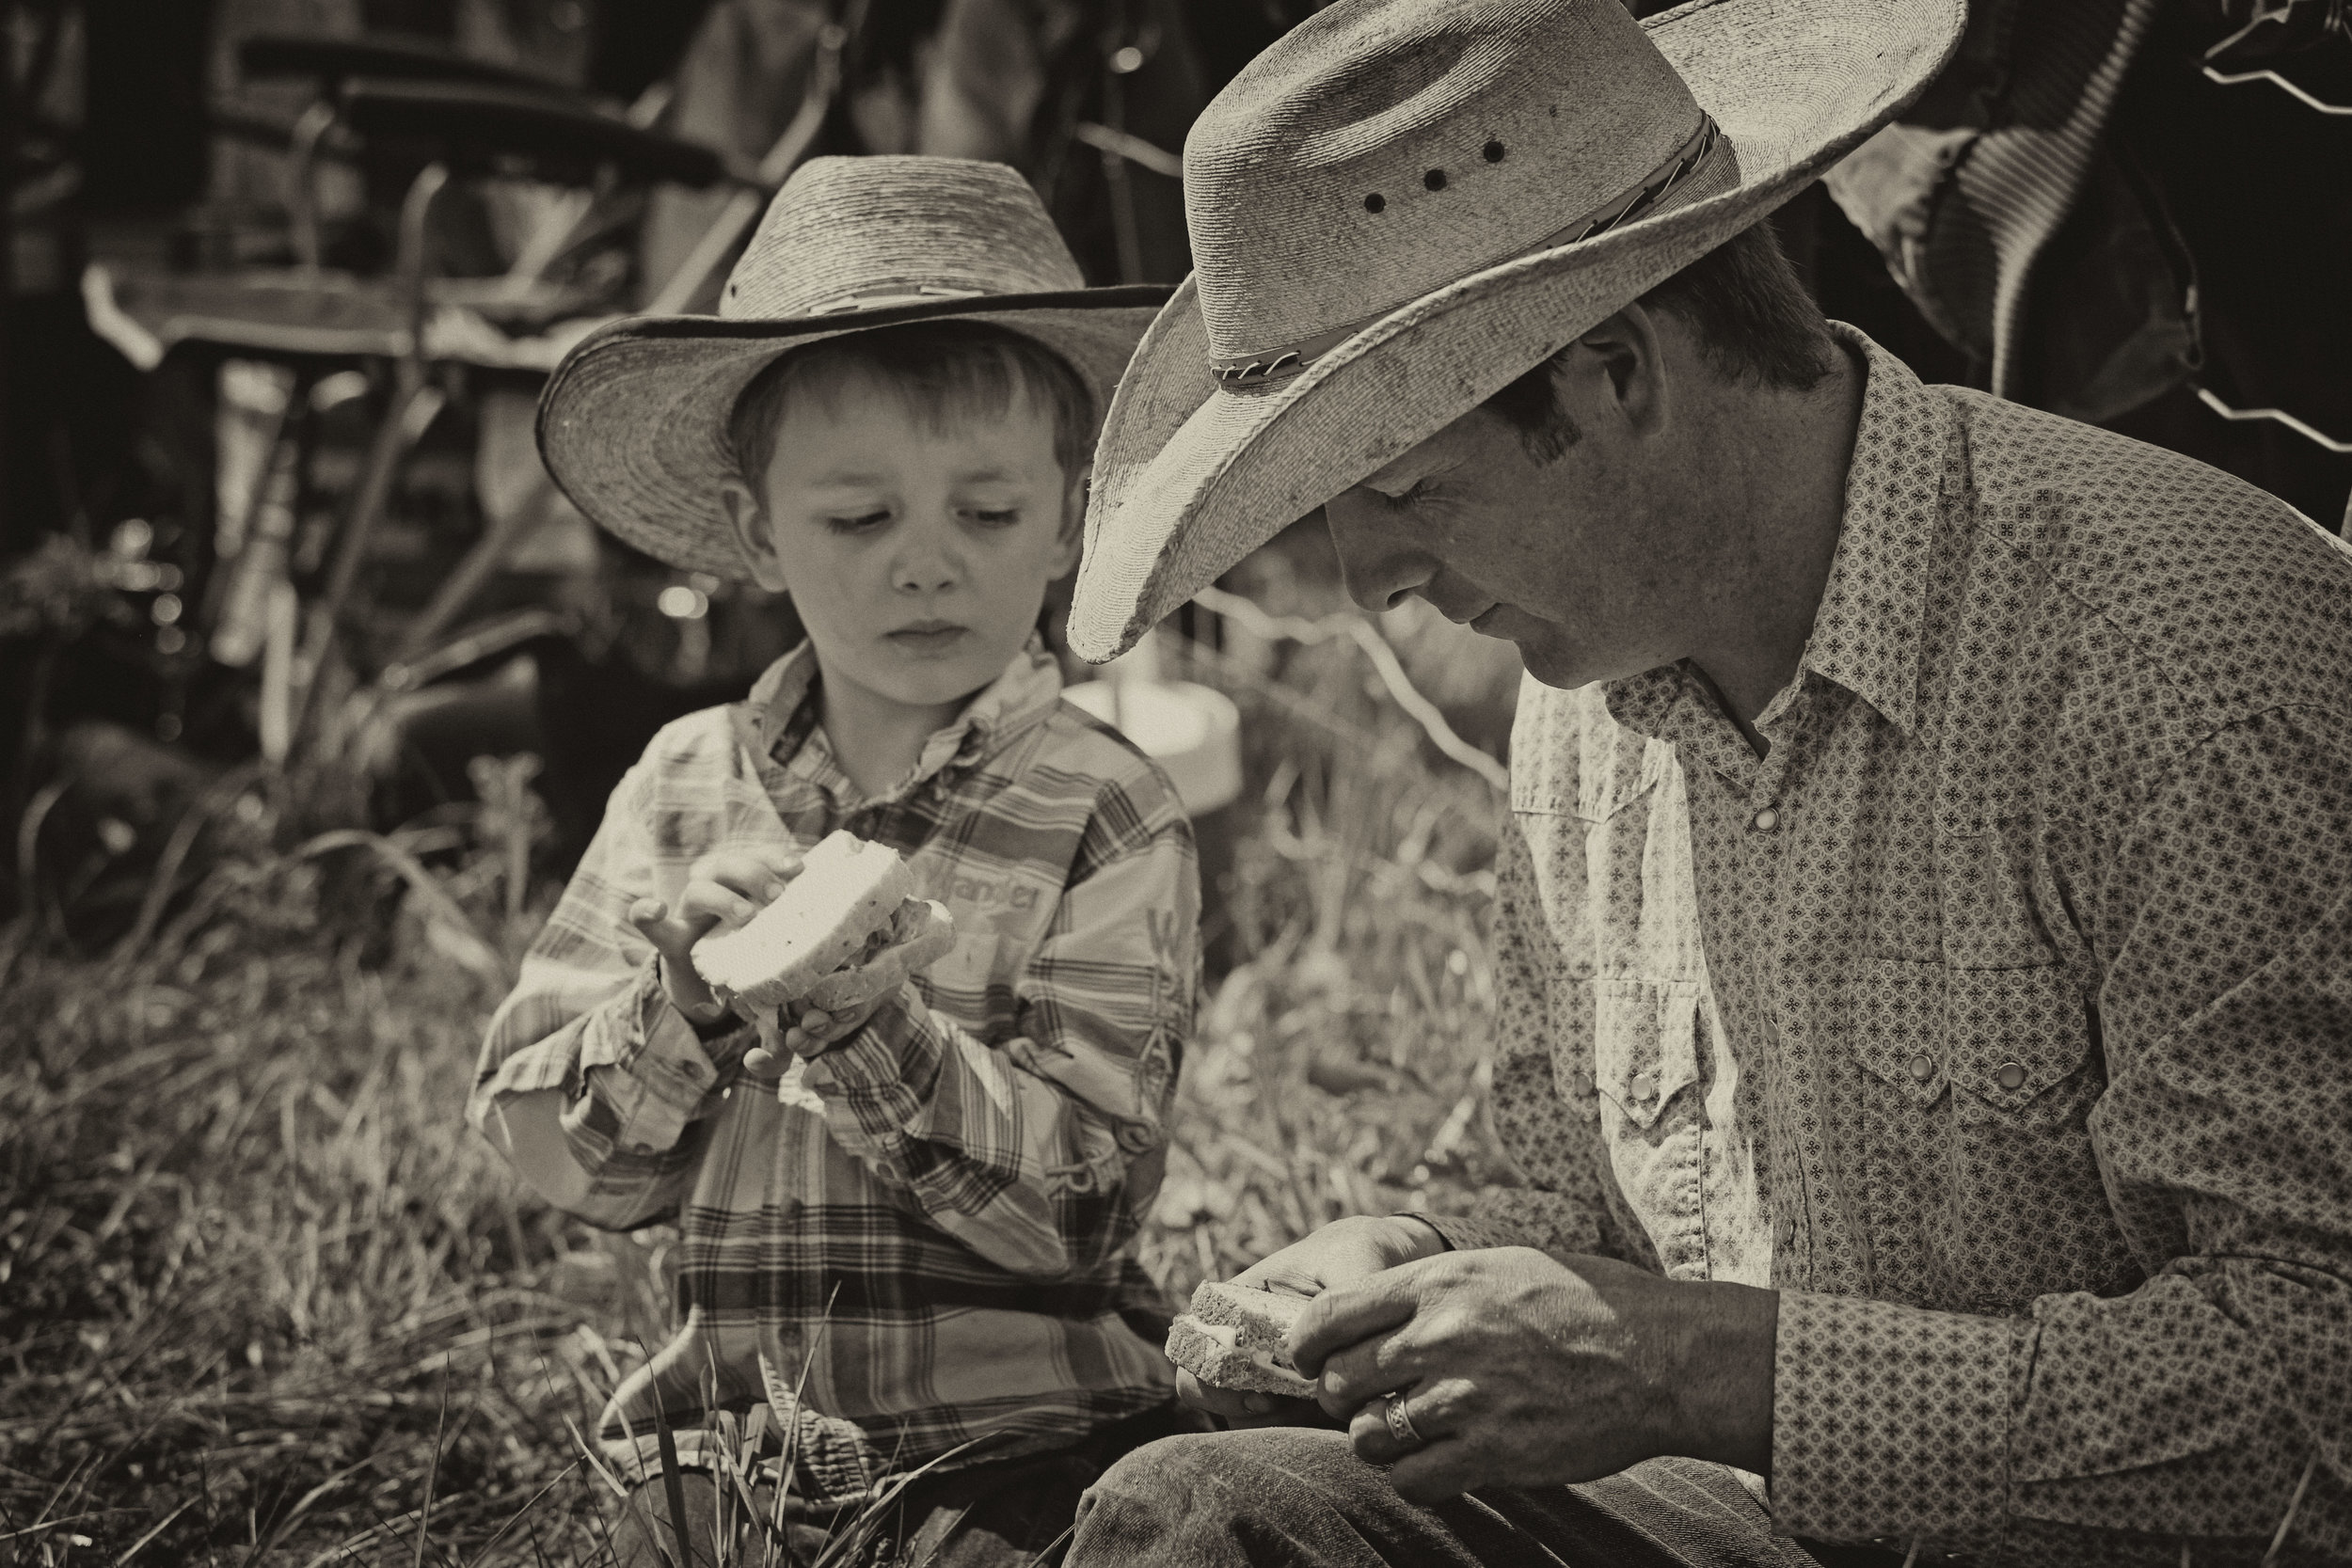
{"points": [[918, 557]]}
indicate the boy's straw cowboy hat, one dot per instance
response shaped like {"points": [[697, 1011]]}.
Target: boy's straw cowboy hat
{"points": [[633, 423], [1403, 205]]}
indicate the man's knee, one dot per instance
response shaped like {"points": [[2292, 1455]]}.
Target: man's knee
{"points": [[1220, 1497]]}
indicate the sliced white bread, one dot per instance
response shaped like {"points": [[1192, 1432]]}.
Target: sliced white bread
{"points": [[1232, 1338], [847, 890]]}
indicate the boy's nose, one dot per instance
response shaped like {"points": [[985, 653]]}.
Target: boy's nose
{"points": [[925, 563]]}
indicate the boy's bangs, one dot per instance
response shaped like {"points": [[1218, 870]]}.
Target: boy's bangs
{"points": [[946, 375]]}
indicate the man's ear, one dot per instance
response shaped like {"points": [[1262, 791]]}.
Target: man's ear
{"points": [[748, 521], [1623, 367], [1074, 522]]}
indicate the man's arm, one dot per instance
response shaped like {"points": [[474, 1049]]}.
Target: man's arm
{"points": [[1550, 1127], [2190, 1409]]}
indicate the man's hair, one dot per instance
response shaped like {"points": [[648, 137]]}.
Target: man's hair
{"points": [[944, 372], [1743, 304]]}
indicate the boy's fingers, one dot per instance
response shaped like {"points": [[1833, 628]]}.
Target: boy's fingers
{"points": [[714, 904], [651, 917]]}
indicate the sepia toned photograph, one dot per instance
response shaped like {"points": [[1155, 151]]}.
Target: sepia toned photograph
{"points": [[1176, 783]]}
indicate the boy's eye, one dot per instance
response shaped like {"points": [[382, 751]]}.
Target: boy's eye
{"points": [[996, 516], [860, 524]]}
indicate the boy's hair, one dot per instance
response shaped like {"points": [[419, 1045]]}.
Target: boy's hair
{"points": [[943, 371], [1744, 305]]}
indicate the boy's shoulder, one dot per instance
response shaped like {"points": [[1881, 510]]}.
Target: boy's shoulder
{"points": [[1078, 753]]}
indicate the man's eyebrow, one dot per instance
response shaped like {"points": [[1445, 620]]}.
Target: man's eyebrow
{"points": [[990, 475], [849, 476]]}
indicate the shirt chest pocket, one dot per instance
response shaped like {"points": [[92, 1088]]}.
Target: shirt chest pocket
{"points": [[1645, 1046], [1999, 1040]]}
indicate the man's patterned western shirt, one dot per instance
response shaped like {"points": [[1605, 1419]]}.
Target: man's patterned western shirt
{"points": [[927, 1237], [2000, 1015]]}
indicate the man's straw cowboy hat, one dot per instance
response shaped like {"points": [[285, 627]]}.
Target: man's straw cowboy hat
{"points": [[633, 423], [1403, 205]]}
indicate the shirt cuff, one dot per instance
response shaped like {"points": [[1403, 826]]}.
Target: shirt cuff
{"points": [[1468, 1235], [1890, 1421], [644, 1059]]}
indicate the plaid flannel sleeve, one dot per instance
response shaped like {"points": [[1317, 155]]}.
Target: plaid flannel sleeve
{"points": [[1042, 1151], [1560, 1208], [588, 1018]]}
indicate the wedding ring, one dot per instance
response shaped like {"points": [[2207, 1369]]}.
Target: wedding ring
{"points": [[1401, 1422]]}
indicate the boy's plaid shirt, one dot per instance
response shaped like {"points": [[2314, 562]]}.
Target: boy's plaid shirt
{"points": [[931, 1224]]}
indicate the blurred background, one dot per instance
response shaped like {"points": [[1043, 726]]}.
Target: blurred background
{"points": [[284, 278]]}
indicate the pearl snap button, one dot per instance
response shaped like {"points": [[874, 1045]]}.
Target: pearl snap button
{"points": [[1645, 1086], [2010, 1075], [1923, 1067], [1766, 819]]}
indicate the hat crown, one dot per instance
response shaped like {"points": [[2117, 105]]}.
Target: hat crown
{"points": [[856, 233], [1383, 148]]}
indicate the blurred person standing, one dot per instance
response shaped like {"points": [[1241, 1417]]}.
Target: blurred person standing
{"points": [[2136, 213]]}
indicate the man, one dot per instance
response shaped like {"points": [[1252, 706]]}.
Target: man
{"points": [[1924, 931]]}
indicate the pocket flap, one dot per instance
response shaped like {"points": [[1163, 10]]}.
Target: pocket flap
{"points": [[2015, 1031], [2002, 1035], [1644, 1044]]}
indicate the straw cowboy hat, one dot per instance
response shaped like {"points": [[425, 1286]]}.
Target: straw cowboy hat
{"points": [[1404, 205], [633, 423]]}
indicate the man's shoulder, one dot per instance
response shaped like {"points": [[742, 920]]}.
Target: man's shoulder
{"points": [[2160, 569]]}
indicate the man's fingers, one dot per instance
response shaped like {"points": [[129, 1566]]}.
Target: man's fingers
{"points": [[1448, 1467], [1361, 1374], [1351, 1314]]}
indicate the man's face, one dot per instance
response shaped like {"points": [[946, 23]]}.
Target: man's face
{"points": [[1567, 558]]}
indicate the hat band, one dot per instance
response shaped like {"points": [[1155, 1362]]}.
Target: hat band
{"points": [[922, 294], [1251, 370]]}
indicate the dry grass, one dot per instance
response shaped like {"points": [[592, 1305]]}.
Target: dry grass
{"points": [[264, 1299]]}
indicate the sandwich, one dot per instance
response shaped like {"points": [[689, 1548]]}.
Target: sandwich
{"points": [[1232, 1338], [851, 900]]}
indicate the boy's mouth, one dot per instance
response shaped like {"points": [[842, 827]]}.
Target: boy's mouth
{"points": [[927, 637]]}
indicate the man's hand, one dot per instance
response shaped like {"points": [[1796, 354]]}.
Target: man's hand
{"points": [[1341, 1253], [725, 887], [1518, 1370]]}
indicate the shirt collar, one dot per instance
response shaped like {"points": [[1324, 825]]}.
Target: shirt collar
{"points": [[1024, 692], [1866, 632]]}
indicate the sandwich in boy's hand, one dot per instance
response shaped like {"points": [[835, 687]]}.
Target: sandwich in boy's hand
{"points": [[851, 900], [1232, 1338]]}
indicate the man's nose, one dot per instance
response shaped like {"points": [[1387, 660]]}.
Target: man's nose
{"points": [[1378, 561]]}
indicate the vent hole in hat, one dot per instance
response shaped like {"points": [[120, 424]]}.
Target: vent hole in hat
{"points": [[1494, 152], [1376, 202], [1433, 180]]}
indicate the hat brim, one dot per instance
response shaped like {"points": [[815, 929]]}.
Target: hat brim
{"points": [[632, 425], [1189, 478]]}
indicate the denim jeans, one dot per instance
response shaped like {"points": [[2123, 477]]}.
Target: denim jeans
{"points": [[992, 1516], [1297, 1497]]}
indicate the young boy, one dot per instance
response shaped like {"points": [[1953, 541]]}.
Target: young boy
{"points": [[907, 1229]]}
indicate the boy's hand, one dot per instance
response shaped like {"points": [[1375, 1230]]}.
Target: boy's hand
{"points": [[725, 887], [838, 1006]]}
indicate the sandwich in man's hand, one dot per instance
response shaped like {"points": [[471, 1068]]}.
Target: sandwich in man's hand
{"points": [[1232, 1338]]}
